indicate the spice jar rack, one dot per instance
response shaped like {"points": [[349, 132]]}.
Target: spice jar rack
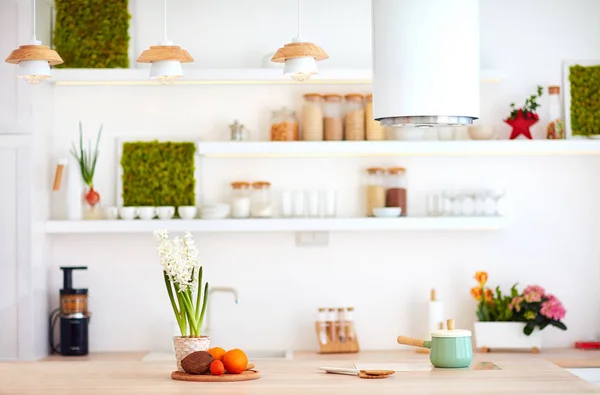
{"points": [[336, 332]]}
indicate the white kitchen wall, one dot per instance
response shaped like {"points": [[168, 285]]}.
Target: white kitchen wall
{"points": [[552, 238]]}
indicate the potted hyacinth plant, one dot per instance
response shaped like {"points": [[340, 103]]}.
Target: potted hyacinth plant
{"points": [[183, 279], [514, 321], [87, 159]]}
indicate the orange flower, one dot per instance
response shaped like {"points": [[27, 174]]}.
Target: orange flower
{"points": [[481, 278], [489, 296], [476, 293]]}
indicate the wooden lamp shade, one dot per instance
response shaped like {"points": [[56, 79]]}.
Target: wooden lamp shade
{"points": [[34, 52], [299, 50], [165, 52]]}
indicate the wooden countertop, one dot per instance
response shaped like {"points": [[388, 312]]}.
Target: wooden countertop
{"points": [[126, 373]]}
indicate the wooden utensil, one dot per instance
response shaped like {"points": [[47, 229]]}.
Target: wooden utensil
{"points": [[360, 373]]}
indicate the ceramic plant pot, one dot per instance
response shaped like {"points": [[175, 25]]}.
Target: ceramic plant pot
{"points": [[505, 335], [185, 345], [450, 348]]}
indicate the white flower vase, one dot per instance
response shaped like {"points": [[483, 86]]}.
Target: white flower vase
{"points": [[506, 335], [185, 345]]}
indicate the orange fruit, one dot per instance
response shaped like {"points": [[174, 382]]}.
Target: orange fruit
{"points": [[217, 353], [217, 368], [235, 361]]}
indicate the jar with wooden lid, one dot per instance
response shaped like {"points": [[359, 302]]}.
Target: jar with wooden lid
{"points": [[396, 189], [375, 189], [312, 117], [374, 130], [284, 125], [354, 119], [262, 206], [333, 125], [240, 199]]}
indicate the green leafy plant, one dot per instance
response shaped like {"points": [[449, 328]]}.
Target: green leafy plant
{"points": [[585, 100], [92, 33], [492, 304], [158, 173], [87, 160], [529, 108]]}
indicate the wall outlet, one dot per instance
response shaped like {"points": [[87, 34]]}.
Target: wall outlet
{"points": [[312, 239]]}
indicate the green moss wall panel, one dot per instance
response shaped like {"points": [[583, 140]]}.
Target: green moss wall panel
{"points": [[585, 100], [158, 174], [92, 33]]}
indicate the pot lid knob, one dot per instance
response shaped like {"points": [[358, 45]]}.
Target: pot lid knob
{"points": [[450, 325]]}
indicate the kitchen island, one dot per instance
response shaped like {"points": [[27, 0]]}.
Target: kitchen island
{"points": [[102, 374]]}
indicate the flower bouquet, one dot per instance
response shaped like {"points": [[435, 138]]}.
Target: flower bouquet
{"points": [[521, 119], [183, 279], [510, 321]]}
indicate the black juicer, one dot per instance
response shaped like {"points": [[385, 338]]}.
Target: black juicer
{"points": [[74, 317]]}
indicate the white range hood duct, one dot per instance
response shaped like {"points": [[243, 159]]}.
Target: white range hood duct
{"points": [[425, 62]]}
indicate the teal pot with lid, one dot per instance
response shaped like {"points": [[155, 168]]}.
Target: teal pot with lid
{"points": [[450, 348]]}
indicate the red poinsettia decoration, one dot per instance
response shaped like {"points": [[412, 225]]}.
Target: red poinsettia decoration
{"points": [[521, 119]]}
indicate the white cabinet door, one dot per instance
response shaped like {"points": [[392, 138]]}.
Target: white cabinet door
{"points": [[8, 253]]}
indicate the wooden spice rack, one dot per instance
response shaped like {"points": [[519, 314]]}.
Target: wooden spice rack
{"points": [[336, 335], [336, 346]]}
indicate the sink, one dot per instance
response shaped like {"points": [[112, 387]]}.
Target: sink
{"points": [[252, 355]]}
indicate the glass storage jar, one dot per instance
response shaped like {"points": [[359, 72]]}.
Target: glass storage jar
{"points": [[312, 117], [375, 189], [262, 206], [284, 125], [240, 199], [333, 126], [396, 193], [374, 130], [354, 119]]}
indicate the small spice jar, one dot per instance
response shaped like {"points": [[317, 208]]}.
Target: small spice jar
{"points": [[240, 199], [374, 130], [284, 125], [262, 206], [312, 117], [396, 191], [354, 119], [375, 189], [333, 125]]}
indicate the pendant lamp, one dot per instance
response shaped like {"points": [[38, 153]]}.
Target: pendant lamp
{"points": [[300, 57], [166, 58], [34, 59]]}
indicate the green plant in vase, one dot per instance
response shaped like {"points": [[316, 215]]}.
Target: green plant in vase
{"points": [[87, 160], [183, 279]]}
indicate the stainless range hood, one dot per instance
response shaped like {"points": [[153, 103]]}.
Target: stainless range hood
{"points": [[425, 62]]}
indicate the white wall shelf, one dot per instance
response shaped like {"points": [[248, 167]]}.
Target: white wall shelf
{"points": [[266, 149], [265, 76], [278, 225]]}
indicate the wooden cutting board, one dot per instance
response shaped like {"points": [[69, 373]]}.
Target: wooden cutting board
{"points": [[209, 378]]}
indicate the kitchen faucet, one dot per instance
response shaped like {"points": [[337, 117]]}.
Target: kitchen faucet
{"points": [[231, 290]]}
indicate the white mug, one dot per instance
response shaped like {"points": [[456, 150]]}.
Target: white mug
{"points": [[187, 212], [147, 212], [111, 212], [165, 212], [128, 212]]}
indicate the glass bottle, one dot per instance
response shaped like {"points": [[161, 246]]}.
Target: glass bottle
{"points": [[374, 130], [262, 206], [322, 320], [555, 129], [396, 192], [333, 126], [284, 125], [354, 119], [342, 324], [331, 325], [312, 117], [240, 199], [349, 321], [375, 189], [238, 131]]}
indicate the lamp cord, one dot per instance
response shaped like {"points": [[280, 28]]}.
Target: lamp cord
{"points": [[298, 6], [33, 14], [165, 21]]}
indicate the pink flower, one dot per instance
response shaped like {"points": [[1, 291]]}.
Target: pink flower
{"points": [[534, 293], [553, 309], [515, 303]]}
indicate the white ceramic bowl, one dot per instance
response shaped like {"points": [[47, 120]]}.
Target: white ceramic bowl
{"points": [[387, 212], [481, 132], [214, 211]]}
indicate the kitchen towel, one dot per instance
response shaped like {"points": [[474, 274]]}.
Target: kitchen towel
{"points": [[436, 316]]}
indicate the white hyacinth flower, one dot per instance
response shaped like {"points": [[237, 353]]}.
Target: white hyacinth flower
{"points": [[179, 258]]}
